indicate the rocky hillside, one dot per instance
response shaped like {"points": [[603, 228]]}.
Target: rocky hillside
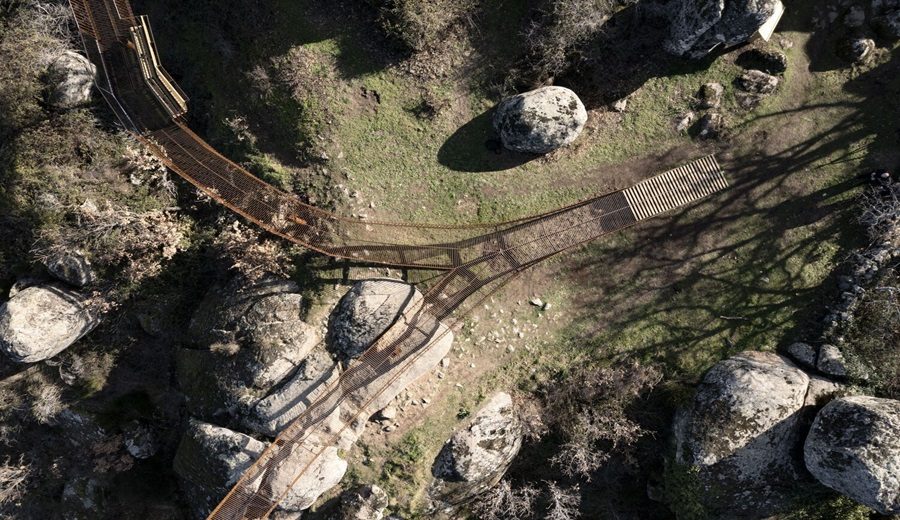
{"points": [[733, 360]]}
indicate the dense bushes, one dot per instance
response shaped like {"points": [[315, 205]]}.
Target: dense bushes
{"points": [[67, 183], [562, 26], [422, 24], [588, 411], [582, 420]]}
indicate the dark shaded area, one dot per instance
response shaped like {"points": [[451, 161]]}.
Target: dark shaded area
{"points": [[476, 147], [625, 54]]}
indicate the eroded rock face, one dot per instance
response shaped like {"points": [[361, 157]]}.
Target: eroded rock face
{"points": [[272, 413], [742, 431], [699, 26], [476, 457], [41, 321], [854, 448], [541, 120], [368, 309], [245, 341], [209, 460], [70, 78]]}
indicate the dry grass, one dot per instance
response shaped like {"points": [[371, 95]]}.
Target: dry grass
{"points": [[13, 477]]}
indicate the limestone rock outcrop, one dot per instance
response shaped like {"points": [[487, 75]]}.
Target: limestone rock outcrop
{"points": [[853, 447], [476, 457], [541, 120], [741, 431], [41, 321]]}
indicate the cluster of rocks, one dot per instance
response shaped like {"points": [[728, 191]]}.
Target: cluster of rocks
{"points": [[756, 83], [861, 26], [699, 26], [759, 435], [44, 317], [253, 365], [540, 121]]}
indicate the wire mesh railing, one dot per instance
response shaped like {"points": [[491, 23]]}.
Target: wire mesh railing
{"points": [[474, 260]]}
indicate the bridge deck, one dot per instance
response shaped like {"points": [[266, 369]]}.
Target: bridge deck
{"points": [[477, 259]]}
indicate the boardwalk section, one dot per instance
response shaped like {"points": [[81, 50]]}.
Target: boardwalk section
{"points": [[476, 260]]}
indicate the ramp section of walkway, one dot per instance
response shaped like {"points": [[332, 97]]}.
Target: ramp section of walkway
{"points": [[676, 188]]}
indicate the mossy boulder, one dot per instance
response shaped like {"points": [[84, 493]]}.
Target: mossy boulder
{"points": [[853, 447], [743, 432], [541, 120]]}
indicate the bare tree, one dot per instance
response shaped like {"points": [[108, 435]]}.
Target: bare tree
{"points": [[505, 502], [562, 502], [881, 209], [563, 25], [589, 412]]}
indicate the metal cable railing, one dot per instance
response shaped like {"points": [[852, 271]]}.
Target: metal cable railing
{"points": [[476, 260]]}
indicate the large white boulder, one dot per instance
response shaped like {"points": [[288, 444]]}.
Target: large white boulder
{"points": [[699, 26], [742, 431], [70, 77], [853, 447], [476, 457], [41, 321], [541, 120]]}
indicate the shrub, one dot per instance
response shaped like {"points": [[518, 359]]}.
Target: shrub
{"points": [[588, 410], [874, 332], [562, 502], [683, 491], [32, 34], [46, 400], [562, 26], [504, 502], [873, 336], [13, 476], [422, 24]]}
